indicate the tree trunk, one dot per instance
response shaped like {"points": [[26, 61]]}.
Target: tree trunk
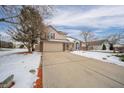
{"points": [[113, 50], [29, 47], [32, 47], [86, 46]]}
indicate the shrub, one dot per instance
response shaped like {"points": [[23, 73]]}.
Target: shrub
{"points": [[111, 47], [121, 57], [21, 46], [104, 58], [103, 47]]}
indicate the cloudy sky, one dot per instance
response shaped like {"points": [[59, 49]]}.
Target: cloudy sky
{"points": [[102, 20]]}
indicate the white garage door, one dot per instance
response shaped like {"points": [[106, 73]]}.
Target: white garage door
{"points": [[53, 46]]}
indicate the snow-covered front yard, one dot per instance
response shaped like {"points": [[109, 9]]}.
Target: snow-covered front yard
{"points": [[104, 57], [7, 51], [21, 65]]}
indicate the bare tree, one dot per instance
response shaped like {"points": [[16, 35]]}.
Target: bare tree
{"points": [[87, 37], [9, 13], [30, 25], [114, 39]]}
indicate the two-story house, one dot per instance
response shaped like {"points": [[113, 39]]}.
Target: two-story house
{"points": [[55, 41]]}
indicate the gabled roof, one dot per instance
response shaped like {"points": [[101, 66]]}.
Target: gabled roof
{"points": [[52, 27], [68, 38], [60, 32], [73, 38], [63, 33]]}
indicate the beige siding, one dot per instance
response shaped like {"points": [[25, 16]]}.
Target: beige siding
{"points": [[37, 47], [52, 46], [97, 47], [57, 35]]}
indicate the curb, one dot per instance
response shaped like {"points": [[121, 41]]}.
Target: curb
{"points": [[38, 82]]}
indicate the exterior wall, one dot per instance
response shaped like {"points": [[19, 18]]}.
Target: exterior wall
{"points": [[99, 47], [96, 47], [4, 44], [74, 43], [37, 47], [57, 35], [71, 46], [68, 46], [119, 49], [52, 47]]}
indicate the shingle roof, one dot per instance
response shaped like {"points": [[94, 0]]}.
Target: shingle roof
{"points": [[98, 42], [63, 33]]}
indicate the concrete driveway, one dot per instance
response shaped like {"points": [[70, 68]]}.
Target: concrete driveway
{"points": [[66, 70]]}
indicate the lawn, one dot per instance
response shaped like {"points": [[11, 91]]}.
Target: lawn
{"points": [[121, 57]]}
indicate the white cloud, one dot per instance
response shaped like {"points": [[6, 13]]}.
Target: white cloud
{"points": [[98, 31], [3, 33], [71, 32], [92, 18], [4, 36]]}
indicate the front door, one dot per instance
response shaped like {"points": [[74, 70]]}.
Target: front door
{"points": [[77, 46]]}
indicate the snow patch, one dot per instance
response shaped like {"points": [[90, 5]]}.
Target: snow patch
{"points": [[104, 57], [19, 65]]}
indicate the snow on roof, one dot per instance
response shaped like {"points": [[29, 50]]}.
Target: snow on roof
{"points": [[63, 33], [70, 39]]}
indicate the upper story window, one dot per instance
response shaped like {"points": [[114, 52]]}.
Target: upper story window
{"points": [[51, 35]]}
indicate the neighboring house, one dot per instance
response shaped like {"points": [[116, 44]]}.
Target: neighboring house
{"points": [[5, 44], [96, 45], [54, 41], [119, 46]]}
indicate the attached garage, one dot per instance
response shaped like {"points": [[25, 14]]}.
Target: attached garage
{"points": [[50, 46]]}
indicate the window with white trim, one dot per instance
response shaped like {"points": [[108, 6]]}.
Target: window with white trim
{"points": [[51, 35]]}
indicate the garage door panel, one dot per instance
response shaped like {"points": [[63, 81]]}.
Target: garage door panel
{"points": [[52, 46]]}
